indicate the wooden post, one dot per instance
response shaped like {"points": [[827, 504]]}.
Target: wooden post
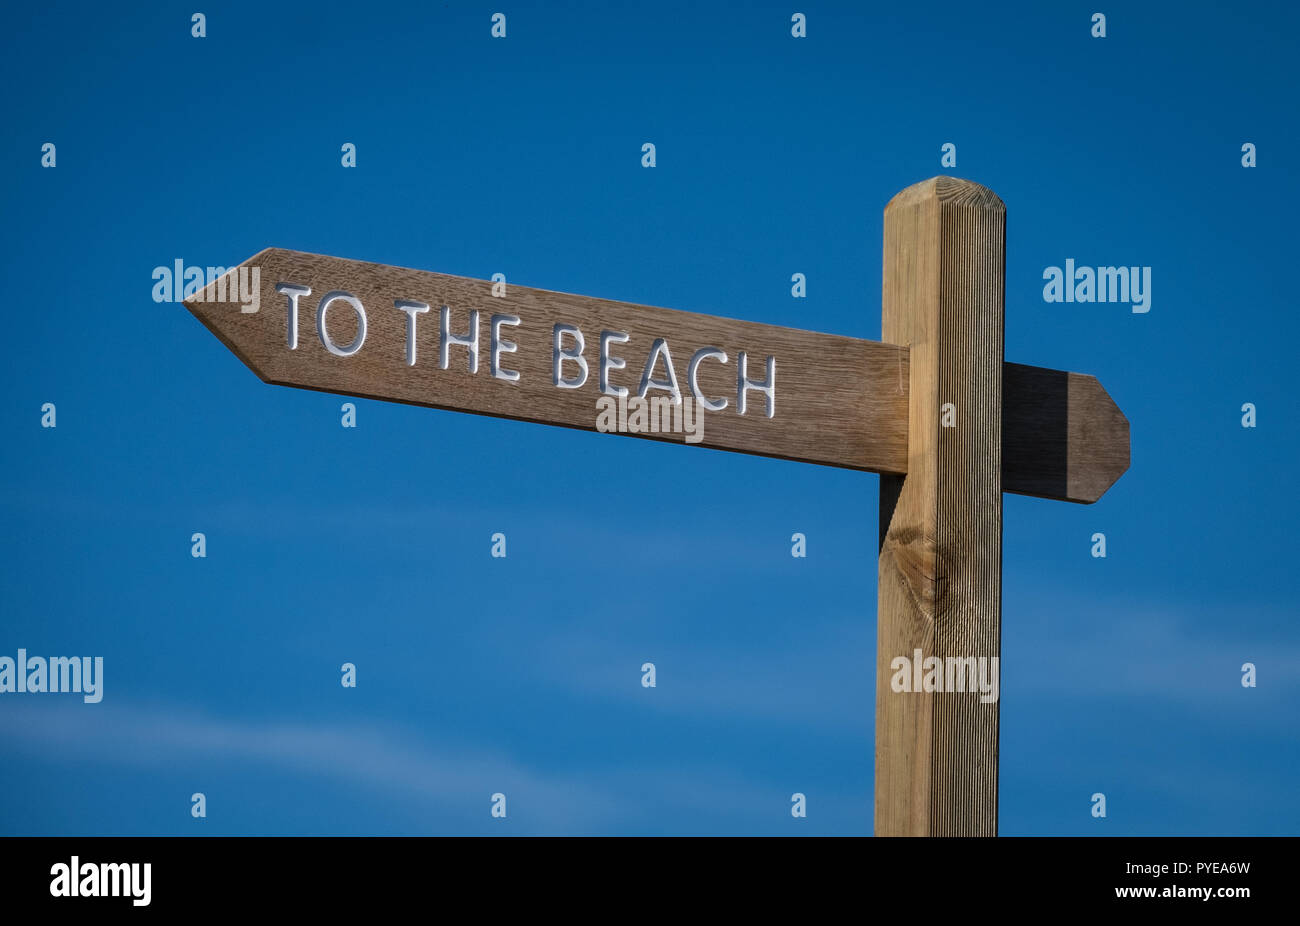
{"points": [[940, 583]]}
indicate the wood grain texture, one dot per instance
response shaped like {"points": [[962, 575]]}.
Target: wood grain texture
{"points": [[1063, 437], [940, 565], [840, 401]]}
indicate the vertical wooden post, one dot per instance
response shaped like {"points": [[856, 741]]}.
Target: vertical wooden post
{"points": [[940, 585]]}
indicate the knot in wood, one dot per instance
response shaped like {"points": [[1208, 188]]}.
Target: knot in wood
{"points": [[921, 565]]}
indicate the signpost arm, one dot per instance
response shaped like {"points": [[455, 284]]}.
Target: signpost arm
{"points": [[940, 568]]}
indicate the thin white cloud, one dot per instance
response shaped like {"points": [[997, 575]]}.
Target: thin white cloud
{"points": [[385, 761], [636, 795]]}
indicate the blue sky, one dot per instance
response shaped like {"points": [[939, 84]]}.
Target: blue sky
{"points": [[522, 155]]}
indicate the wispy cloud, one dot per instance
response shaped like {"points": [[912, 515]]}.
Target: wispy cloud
{"points": [[633, 796], [383, 760], [1148, 651]]}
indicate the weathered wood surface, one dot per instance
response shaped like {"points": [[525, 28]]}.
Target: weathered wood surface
{"points": [[839, 401], [940, 564], [1063, 437]]}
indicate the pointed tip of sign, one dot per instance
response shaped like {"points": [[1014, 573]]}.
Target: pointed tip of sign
{"points": [[1063, 436], [949, 191], [227, 305], [1099, 439]]}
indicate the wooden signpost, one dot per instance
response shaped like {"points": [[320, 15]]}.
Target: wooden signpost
{"points": [[935, 410]]}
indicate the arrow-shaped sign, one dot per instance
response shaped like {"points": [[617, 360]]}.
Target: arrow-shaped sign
{"points": [[423, 338]]}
